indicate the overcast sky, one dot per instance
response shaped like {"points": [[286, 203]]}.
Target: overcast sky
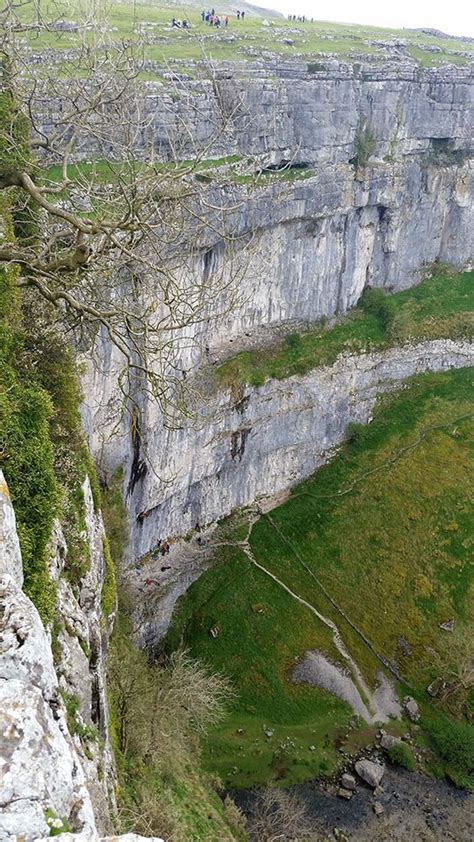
{"points": [[453, 16]]}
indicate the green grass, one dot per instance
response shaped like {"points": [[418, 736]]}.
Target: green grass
{"points": [[402, 755], [249, 36], [442, 306], [387, 533]]}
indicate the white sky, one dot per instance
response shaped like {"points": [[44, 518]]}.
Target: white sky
{"points": [[456, 17]]}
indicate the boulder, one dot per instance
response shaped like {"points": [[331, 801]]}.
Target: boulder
{"points": [[436, 687], [345, 793], [370, 772], [388, 741], [411, 708], [378, 808], [447, 626], [348, 781]]}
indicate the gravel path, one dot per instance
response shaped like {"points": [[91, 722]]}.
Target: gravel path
{"points": [[315, 669]]}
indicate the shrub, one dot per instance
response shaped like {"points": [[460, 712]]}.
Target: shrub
{"points": [[115, 516], [108, 598], [294, 343], [402, 755], [357, 435], [364, 145], [454, 742], [378, 303]]}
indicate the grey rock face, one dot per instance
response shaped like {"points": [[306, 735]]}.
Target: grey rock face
{"points": [[41, 769], [10, 555], [82, 663], [370, 772], [318, 243], [279, 111], [45, 773], [238, 449]]}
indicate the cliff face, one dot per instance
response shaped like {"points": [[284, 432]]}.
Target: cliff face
{"points": [[265, 439], [42, 777], [387, 186], [318, 241], [49, 783]]}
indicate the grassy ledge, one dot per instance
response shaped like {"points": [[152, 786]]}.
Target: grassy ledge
{"points": [[441, 307]]}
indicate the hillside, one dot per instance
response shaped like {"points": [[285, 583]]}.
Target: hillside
{"points": [[378, 542]]}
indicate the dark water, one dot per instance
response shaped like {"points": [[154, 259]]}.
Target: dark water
{"points": [[415, 809]]}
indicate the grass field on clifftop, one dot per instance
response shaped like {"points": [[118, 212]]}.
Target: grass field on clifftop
{"points": [[242, 40], [387, 529]]}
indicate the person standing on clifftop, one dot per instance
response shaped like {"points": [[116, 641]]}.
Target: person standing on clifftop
{"points": [[242, 15], [238, 15]]}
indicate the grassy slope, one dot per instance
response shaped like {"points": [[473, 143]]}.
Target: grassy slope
{"points": [[394, 549], [441, 306], [310, 39]]}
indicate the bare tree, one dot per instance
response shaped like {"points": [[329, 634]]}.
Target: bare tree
{"points": [[117, 231], [163, 711], [278, 816], [454, 662]]}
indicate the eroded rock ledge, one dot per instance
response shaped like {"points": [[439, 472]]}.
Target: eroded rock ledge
{"points": [[265, 439]]}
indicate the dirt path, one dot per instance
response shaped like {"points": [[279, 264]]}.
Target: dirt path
{"points": [[373, 707]]}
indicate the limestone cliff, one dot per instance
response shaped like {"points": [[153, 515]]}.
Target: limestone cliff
{"points": [[318, 241], [48, 782]]}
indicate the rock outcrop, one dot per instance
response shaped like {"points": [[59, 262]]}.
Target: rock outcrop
{"points": [[47, 784], [42, 776]]}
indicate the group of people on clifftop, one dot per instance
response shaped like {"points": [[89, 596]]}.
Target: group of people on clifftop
{"points": [[210, 17], [300, 19], [214, 19]]}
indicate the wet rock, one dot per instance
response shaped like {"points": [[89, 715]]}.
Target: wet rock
{"points": [[345, 793], [370, 772], [348, 781], [378, 808], [388, 741]]}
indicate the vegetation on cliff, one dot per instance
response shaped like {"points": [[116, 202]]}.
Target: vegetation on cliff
{"points": [[441, 307], [42, 447], [159, 714], [380, 537]]}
